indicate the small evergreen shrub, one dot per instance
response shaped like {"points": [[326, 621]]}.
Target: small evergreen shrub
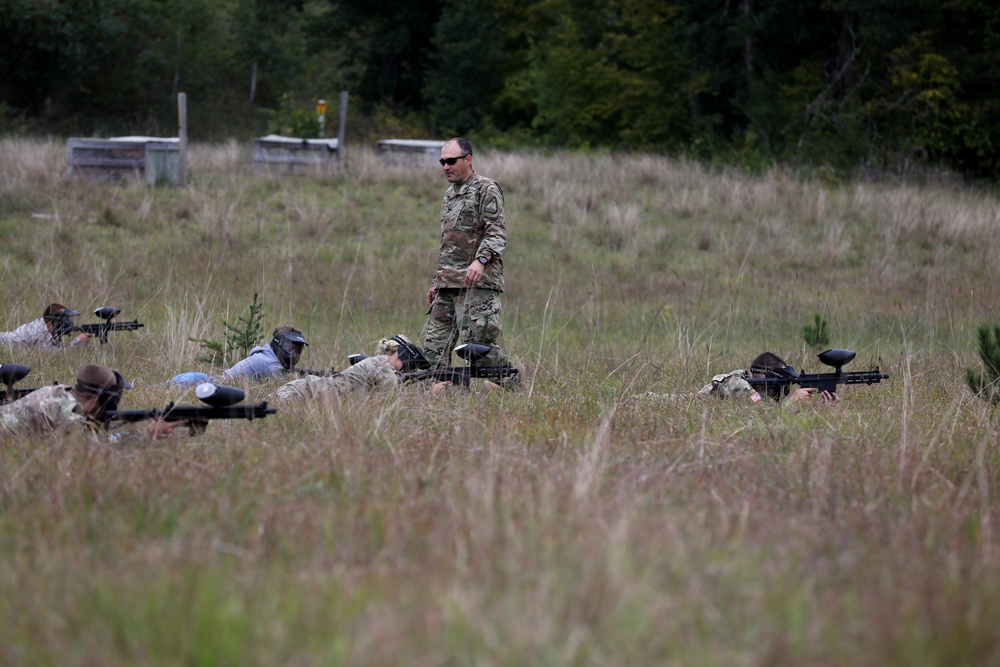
{"points": [[817, 334], [238, 339], [986, 383]]}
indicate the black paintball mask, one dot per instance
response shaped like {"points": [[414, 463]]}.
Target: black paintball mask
{"points": [[62, 322], [107, 397], [776, 392], [412, 356], [287, 346]]}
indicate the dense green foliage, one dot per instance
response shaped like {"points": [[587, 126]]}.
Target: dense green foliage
{"points": [[836, 83]]}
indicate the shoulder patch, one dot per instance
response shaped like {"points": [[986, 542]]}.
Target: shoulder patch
{"points": [[491, 206]]}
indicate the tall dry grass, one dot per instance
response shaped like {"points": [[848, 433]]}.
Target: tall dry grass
{"points": [[589, 518]]}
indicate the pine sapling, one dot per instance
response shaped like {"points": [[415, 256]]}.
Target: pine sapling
{"points": [[986, 383]]}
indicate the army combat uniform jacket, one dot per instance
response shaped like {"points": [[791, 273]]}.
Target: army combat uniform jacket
{"points": [[730, 384], [34, 333], [51, 408], [472, 225], [369, 374]]}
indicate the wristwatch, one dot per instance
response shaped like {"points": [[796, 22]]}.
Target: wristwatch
{"points": [[483, 260]]}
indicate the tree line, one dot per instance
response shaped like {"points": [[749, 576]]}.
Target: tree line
{"points": [[837, 83]]}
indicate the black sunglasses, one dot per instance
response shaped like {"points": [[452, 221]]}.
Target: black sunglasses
{"points": [[452, 160]]}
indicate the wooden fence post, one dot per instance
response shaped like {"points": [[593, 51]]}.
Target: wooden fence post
{"points": [[182, 138], [341, 127]]}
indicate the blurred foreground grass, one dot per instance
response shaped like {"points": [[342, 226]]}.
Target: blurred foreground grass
{"points": [[579, 521]]}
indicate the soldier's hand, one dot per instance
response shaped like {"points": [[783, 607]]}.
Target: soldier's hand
{"points": [[431, 294], [80, 340], [474, 273], [801, 394], [439, 387], [160, 429], [805, 393], [830, 397]]}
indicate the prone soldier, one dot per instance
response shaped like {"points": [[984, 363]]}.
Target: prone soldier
{"points": [[382, 372], [59, 407], [47, 331]]}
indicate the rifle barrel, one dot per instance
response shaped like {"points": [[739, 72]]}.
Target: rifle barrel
{"points": [[192, 413], [460, 375], [873, 376], [101, 330], [14, 394]]}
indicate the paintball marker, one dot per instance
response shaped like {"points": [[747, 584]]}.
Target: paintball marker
{"points": [[784, 377], [457, 375], [9, 375], [220, 403], [460, 375], [107, 313]]}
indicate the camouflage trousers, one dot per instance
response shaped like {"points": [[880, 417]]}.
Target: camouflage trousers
{"points": [[460, 316]]}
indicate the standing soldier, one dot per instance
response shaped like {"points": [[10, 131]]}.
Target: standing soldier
{"points": [[464, 297]]}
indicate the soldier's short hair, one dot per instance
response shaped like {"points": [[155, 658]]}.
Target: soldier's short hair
{"points": [[765, 361], [464, 145]]}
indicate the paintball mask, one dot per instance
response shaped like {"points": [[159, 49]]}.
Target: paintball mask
{"points": [[108, 396], [61, 321], [412, 356], [287, 346], [776, 392]]}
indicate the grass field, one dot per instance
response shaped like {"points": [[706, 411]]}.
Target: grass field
{"points": [[585, 519]]}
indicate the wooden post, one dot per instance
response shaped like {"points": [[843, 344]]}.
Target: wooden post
{"points": [[182, 136], [341, 127]]}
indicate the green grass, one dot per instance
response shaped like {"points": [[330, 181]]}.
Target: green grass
{"points": [[578, 521]]}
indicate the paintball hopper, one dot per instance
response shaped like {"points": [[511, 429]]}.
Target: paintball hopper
{"points": [[472, 352], [107, 312], [12, 373], [836, 357], [219, 396], [355, 358]]}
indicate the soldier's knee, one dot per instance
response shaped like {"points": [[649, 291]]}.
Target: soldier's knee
{"points": [[484, 331]]}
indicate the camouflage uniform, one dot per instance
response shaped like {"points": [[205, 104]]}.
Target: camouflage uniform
{"points": [[51, 408], [730, 384], [34, 333], [369, 374], [472, 225]]}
